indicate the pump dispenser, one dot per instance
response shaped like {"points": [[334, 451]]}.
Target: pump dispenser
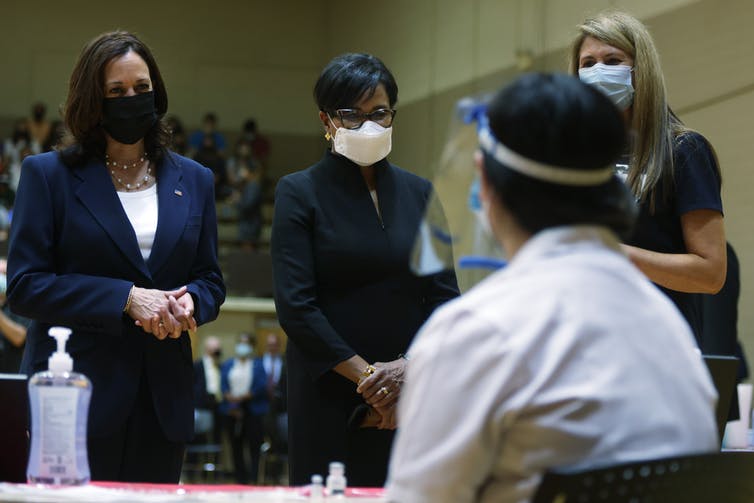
{"points": [[59, 400], [60, 361]]}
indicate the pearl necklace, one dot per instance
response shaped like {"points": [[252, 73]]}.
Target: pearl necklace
{"points": [[124, 166], [135, 186]]}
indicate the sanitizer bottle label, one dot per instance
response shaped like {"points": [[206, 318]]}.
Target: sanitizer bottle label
{"points": [[58, 431]]}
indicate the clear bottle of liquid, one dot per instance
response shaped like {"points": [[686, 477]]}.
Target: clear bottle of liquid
{"points": [[336, 480], [59, 400]]}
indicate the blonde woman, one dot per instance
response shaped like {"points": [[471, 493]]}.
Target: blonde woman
{"points": [[679, 238]]}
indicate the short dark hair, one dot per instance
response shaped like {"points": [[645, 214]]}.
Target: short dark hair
{"points": [[249, 336], [250, 126], [557, 120], [351, 77], [86, 95]]}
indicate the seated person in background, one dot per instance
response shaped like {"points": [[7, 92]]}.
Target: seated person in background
{"points": [[178, 134], [242, 158], [210, 157], [39, 126], [567, 357], [208, 130], [249, 208], [259, 143], [15, 149]]}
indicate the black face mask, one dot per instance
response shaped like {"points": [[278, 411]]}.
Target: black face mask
{"points": [[129, 119]]}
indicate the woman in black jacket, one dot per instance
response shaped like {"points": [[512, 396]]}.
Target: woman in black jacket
{"points": [[341, 239]]}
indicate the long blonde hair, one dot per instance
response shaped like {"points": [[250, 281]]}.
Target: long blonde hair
{"points": [[653, 123]]}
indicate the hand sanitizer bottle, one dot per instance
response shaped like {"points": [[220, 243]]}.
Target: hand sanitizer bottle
{"points": [[336, 480], [59, 400]]}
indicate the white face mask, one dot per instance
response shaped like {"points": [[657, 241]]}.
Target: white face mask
{"points": [[613, 80], [364, 146]]}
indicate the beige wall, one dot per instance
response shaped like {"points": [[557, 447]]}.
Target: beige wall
{"points": [[261, 58], [238, 58], [436, 45]]}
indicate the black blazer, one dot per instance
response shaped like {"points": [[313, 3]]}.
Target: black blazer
{"points": [[202, 399], [72, 260], [341, 273], [343, 286]]}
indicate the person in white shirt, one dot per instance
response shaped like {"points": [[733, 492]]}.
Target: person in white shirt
{"points": [[207, 392], [244, 387], [569, 356]]}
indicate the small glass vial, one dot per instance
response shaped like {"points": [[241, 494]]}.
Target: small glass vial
{"points": [[316, 491], [336, 480]]}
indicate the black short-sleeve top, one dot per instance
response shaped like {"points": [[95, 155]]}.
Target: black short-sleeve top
{"points": [[696, 186]]}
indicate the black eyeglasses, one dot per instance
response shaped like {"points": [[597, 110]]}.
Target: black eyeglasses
{"points": [[353, 119]]}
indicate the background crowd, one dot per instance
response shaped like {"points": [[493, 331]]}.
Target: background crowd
{"points": [[239, 161], [241, 406]]}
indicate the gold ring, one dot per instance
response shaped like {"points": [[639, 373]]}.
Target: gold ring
{"points": [[384, 391], [367, 372]]}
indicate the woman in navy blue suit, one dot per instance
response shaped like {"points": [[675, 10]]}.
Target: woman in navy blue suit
{"points": [[115, 237]]}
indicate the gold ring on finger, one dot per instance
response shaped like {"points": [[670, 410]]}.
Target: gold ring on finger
{"points": [[384, 391]]}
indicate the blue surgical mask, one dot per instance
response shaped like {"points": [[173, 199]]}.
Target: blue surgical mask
{"points": [[613, 80], [243, 349]]}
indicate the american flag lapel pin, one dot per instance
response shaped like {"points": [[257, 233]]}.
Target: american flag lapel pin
{"points": [[178, 192]]}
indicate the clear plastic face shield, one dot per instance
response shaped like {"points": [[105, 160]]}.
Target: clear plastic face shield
{"points": [[454, 232]]}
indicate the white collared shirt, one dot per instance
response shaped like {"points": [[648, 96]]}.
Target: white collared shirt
{"points": [[211, 376], [568, 357], [240, 377]]}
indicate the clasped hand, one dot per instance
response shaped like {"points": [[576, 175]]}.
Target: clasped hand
{"points": [[382, 388], [163, 313]]}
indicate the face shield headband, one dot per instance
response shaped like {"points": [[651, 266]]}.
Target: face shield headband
{"points": [[540, 171]]}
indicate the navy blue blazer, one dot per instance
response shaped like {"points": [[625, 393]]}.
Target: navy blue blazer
{"points": [[73, 257]]}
